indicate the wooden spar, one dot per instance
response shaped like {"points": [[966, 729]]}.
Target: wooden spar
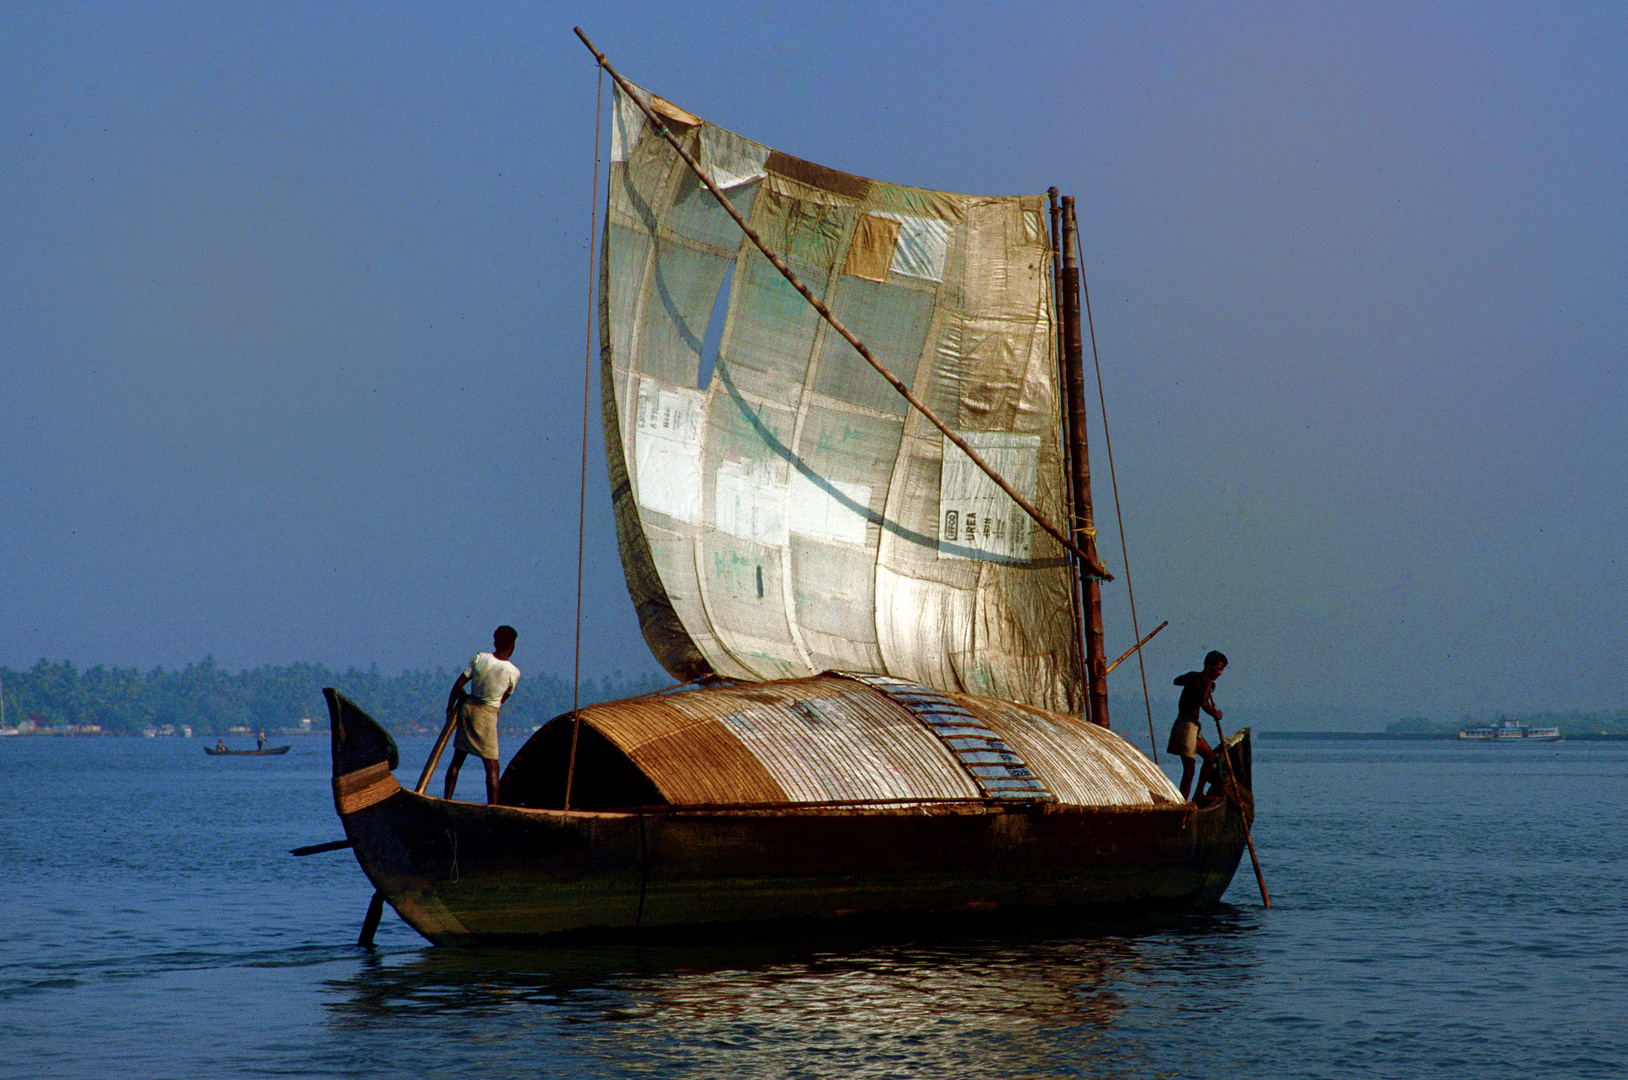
{"points": [[1138, 645], [1085, 530], [1092, 567], [571, 767], [1244, 813], [1062, 380], [435, 754]]}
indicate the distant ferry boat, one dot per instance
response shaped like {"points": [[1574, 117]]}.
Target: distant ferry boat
{"points": [[1508, 730]]}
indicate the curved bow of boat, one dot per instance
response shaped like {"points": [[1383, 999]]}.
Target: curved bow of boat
{"points": [[358, 740]]}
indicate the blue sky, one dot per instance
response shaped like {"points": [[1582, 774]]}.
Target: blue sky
{"points": [[295, 306]]}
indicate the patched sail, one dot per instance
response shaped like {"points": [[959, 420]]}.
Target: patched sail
{"points": [[782, 511]]}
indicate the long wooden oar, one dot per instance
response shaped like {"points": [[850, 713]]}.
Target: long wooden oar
{"points": [[1231, 783], [312, 849], [375, 907]]}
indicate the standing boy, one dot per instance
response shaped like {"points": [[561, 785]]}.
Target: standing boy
{"points": [[491, 679], [1186, 740]]}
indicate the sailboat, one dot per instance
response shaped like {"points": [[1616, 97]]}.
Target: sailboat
{"points": [[841, 536]]}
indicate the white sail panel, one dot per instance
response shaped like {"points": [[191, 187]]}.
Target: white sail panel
{"points": [[730, 160], [829, 509], [783, 514], [749, 504], [627, 121], [667, 437], [922, 246]]}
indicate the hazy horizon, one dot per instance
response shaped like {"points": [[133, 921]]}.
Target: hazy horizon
{"points": [[297, 309]]}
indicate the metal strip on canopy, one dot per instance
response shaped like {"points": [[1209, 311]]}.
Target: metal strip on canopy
{"points": [[996, 768]]}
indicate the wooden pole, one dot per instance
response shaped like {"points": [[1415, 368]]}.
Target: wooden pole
{"points": [[582, 499], [374, 910], [435, 755], [313, 849], [1085, 530], [1231, 783], [1090, 563], [571, 764], [1138, 645], [1075, 596]]}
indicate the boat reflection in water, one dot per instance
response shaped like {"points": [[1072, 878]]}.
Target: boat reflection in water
{"points": [[1027, 1003]]}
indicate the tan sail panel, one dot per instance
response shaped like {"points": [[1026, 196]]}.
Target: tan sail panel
{"points": [[781, 511]]}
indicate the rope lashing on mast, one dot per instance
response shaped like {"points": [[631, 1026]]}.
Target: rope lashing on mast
{"points": [[1091, 566]]}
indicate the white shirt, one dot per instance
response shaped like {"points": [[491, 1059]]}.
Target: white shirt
{"points": [[490, 678]]}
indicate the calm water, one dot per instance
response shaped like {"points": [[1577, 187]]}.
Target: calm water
{"points": [[1439, 910]]}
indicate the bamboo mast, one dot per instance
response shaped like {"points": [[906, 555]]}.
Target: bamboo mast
{"points": [[1062, 380], [1090, 564], [1084, 526]]}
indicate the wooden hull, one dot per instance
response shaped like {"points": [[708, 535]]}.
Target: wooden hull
{"points": [[462, 872], [267, 752]]}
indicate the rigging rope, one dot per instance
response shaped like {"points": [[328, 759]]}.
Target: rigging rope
{"points": [[587, 393], [1124, 551]]}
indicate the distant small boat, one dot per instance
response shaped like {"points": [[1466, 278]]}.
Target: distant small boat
{"points": [[218, 751], [1508, 730]]}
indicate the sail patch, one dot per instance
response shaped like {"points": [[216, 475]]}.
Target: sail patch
{"points": [[627, 123], [829, 509], [667, 449], [923, 245], [977, 520], [730, 160], [870, 256], [751, 504]]}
